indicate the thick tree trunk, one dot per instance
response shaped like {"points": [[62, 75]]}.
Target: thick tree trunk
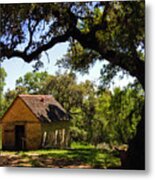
{"points": [[136, 151]]}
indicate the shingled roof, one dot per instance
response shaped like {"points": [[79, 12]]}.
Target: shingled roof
{"points": [[45, 107]]}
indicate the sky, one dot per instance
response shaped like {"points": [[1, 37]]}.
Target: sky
{"points": [[16, 67]]}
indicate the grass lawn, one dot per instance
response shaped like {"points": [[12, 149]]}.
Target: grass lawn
{"points": [[81, 156]]}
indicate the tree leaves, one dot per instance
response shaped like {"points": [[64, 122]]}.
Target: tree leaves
{"points": [[103, 29]]}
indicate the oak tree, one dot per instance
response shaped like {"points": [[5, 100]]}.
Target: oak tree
{"points": [[96, 30]]}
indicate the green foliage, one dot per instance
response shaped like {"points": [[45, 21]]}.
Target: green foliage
{"points": [[77, 145], [116, 40], [65, 89], [126, 107], [78, 58], [96, 116], [31, 83], [95, 30], [3, 75]]}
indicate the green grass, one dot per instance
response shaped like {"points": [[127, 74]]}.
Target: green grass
{"points": [[77, 145], [80, 154]]}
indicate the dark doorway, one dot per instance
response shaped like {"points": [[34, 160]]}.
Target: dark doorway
{"points": [[20, 137]]}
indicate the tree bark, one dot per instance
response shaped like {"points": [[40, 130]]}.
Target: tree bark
{"points": [[136, 151]]}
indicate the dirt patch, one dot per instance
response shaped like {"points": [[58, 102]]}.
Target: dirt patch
{"points": [[38, 161]]}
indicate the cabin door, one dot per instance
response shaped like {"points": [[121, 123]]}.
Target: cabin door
{"points": [[20, 137]]}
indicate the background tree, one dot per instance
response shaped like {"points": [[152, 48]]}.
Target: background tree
{"points": [[32, 82], [3, 75], [125, 107], [98, 117], [62, 86]]}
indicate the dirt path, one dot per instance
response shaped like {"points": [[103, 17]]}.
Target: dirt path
{"points": [[38, 161]]}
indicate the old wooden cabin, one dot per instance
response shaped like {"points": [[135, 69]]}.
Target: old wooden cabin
{"points": [[33, 122]]}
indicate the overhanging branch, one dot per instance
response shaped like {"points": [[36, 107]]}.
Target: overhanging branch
{"points": [[134, 65], [10, 53]]}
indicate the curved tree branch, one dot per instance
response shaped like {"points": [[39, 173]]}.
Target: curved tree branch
{"points": [[9, 53], [134, 65]]}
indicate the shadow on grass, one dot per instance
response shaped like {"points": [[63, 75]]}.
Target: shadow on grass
{"points": [[72, 158], [92, 157]]}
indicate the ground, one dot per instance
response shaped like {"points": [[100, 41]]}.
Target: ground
{"points": [[79, 157]]}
